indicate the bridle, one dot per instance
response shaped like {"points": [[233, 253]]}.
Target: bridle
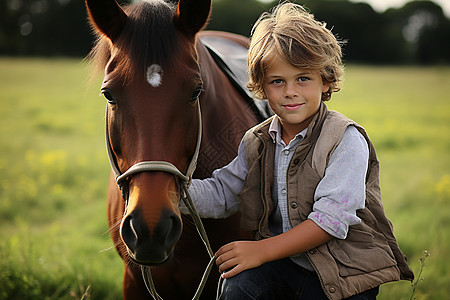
{"points": [[122, 180]]}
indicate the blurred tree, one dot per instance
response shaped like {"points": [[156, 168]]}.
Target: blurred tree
{"points": [[425, 30], [416, 33], [10, 24], [44, 27], [237, 16], [356, 23]]}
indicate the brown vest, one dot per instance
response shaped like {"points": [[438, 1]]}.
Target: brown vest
{"points": [[370, 255]]}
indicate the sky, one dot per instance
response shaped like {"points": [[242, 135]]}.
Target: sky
{"points": [[382, 5]]}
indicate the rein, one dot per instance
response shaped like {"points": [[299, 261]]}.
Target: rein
{"points": [[122, 180]]}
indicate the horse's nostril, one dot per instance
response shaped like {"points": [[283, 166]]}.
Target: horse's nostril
{"points": [[129, 234], [154, 247], [175, 228]]}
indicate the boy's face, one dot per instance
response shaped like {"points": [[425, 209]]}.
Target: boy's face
{"points": [[294, 95]]}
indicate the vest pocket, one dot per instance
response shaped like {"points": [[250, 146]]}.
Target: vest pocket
{"points": [[302, 182], [360, 253]]}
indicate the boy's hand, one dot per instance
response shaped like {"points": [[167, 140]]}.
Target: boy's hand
{"points": [[239, 256], [243, 255]]}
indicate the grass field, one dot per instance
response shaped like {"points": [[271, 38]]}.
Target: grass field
{"points": [[54, 242]]}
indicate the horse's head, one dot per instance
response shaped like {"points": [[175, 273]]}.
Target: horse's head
{"points": [[152, 82]]}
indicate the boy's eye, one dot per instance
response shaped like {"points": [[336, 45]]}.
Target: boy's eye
{"points": [[303, 78], [277, 81]]}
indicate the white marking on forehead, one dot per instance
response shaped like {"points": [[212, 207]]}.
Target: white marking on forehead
{"points": [[154, 75]]}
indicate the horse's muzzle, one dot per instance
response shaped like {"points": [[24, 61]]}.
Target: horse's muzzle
{"points": [[151, 248]]}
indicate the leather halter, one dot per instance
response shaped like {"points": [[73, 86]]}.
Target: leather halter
{"points": [[164, 166]]}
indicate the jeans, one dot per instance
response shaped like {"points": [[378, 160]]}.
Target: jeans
{"points": [[281, 279]]}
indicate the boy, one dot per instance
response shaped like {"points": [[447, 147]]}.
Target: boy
{"points": [[305, 181]]}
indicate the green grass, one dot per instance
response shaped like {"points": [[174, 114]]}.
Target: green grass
{"points": [[53, 178], [406, 112], [54, 241]]}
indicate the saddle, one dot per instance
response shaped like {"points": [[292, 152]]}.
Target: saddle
{"points": [[231, 58]]}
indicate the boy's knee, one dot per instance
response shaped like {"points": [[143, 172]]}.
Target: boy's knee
{"points": [[240, 286]]}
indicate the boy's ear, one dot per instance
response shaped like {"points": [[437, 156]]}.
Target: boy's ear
{"points": [[326, 93], [326, 87]]}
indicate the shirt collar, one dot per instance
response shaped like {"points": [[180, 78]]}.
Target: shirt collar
{"points": [[275, 131]]}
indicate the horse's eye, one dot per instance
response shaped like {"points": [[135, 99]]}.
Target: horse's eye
{"points": [[107, 94], [196, 93]]}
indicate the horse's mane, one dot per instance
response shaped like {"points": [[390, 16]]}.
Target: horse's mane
{"points": [[147, 37]]}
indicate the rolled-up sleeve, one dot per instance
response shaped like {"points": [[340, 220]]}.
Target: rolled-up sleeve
{"points": [[341, 192], [218, 196]]}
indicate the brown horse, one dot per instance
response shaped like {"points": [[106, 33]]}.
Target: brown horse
{"points": [[155, 69]]}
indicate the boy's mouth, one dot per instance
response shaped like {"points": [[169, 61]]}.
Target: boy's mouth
{"points": [[293, 106]]}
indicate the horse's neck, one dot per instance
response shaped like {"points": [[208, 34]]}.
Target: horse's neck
{"points": [[226, 115], [208, 69], [217, 82], [226, 54]]}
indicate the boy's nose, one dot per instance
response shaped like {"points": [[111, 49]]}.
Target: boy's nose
{"points": [[290, 91]]}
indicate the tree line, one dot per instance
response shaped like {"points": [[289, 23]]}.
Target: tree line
{"points": [[417, 33]]}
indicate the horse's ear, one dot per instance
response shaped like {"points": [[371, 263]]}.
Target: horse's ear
{"points": [[107, 16], [192, 16]]}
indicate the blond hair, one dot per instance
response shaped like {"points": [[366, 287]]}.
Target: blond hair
{"points": [[292, 34]]}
